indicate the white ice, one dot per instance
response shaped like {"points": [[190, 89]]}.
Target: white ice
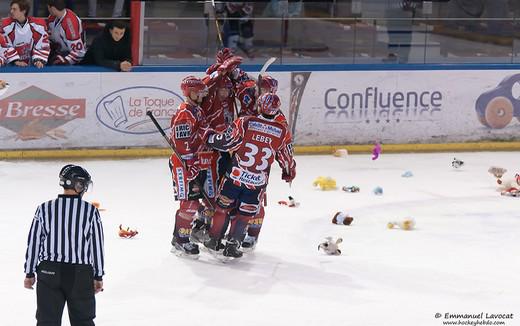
{"points": [[462, 258]]}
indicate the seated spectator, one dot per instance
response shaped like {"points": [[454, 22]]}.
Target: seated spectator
{"points": [[65, 34], [27, 35], [7, 53], [111, 49]]}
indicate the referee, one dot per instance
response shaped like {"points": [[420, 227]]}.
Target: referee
{"points": [[65, 250]]}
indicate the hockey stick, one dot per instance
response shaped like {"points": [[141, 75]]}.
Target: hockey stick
{"points": [[168, 140], [219, 33], [263, 70]]}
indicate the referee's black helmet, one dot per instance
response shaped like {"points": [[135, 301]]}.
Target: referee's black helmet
{"points": [[75, 177]]}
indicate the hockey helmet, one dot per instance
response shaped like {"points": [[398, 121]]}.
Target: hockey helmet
{"points": [[269, 104], [75, 177], [269, 83], [192, 83]]}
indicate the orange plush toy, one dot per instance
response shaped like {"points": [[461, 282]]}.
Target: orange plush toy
{"points": [[127, 234]]}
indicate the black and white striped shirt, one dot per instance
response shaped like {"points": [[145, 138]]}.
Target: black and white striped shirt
{"points": [[66, 230]]}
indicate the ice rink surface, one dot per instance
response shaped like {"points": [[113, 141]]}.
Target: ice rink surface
{"points": [[464, 256]]}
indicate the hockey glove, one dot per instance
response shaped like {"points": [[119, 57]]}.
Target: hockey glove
{"points": [[212, 68], [288, 176], [205, 135], [230, 64]]}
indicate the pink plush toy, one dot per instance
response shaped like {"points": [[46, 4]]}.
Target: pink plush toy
{"points": [[376, 151]]}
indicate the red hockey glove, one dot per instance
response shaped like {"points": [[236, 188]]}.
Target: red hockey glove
{"points": [[205, 135], [212, 68], [230, 64], [60, 61], [288, 176]]}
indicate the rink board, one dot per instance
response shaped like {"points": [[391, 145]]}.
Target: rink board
{"points": [[103, 110]]}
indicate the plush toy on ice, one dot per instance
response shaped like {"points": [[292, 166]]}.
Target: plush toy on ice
{"points": [[509, 186], [126, 233], [456, 163], [325, 183], [290, 203], [341, 152], [331, 246], [405, 224], [376, 151], [342, 218]]}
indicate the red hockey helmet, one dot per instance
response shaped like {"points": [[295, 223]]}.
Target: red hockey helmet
{"points": [[223, 54], [269, 83], [269, 104], [192, 83]]}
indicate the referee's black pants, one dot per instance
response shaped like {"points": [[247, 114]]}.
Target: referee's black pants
{"points": [[58, 283]]}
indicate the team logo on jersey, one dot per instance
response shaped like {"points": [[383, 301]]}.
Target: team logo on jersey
{"points": [[247, 99], [182, 131], [248, 178], [34, 113], [124, 110], [265, 128]]}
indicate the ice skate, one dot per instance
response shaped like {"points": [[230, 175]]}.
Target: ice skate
{"points": [[249, 244], [199, 232], [232, 249], [187, 249]]}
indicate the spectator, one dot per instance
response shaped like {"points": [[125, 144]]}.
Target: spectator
{"points": [[111, 49], [65, 34], [7, 53], [28, 35], [238, 27], [65, 275]]}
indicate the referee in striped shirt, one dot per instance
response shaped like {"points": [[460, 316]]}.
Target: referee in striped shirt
{"points": [[65, 250]]}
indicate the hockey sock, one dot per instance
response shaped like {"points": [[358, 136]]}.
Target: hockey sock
{"points": [[238, 226]]}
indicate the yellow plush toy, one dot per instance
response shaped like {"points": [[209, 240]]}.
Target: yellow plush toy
{"points": [[406, 224], [325, 183]]}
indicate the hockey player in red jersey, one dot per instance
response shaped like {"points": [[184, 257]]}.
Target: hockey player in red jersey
{"points": [[65, 34], [7, 53], [248, 91], [256, 141], [27, 35], [187, 127], [219, 110]]}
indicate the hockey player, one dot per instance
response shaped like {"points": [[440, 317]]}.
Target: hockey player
{"points": [[218, 108], [187, 127], [248, 91], [7, 53], [65, 34], [27, 35], [256, 141]]}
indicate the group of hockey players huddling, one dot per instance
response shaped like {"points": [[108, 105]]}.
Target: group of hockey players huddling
{"points": [[226, 134]]}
